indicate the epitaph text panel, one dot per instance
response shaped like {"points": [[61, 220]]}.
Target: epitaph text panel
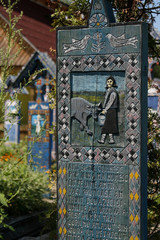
{"points": [[96, 197]]}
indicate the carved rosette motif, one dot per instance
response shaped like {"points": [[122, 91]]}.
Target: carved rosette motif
{"points": [[98, 20]]}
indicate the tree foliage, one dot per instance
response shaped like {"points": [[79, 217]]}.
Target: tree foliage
{"points": [[153, 172], [76, 14], [136, 10], [126, 11], [140, 10]]}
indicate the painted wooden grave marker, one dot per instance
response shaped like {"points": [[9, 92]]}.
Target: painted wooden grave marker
{"points": [[12, 121], [39, 122], [102, 128]]}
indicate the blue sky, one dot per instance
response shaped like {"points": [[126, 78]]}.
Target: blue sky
{"points": [[157, 23]]}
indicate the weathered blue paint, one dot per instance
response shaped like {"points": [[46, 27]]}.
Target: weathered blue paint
{"points": [[39, 121], [68, 36], [101, 11], [89, 170], [91, 87], [98, 194]]}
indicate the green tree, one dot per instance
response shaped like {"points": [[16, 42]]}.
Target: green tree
{"points": [[16, 176], [153, 173], [126, 11], [140, 10], [136, 10], [76, 14], [6, 57]]}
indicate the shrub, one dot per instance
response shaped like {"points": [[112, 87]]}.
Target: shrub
{"points": [[153, 174], [18, 179]]}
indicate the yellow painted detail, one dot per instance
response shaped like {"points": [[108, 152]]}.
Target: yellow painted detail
{"points": [[98, 23], [131, 238], [131, 218], [60, 230], [136, 218], [60, 211], [131, 175], [65, 231], [60, 190], [136, 196], [60, 170], [38, 100], [131, 196], [136, 175], [64, 211], [64, 191], [136, 238], [64, 171]]}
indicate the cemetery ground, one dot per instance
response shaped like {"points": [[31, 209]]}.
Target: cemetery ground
{"points": [[27, 196]]}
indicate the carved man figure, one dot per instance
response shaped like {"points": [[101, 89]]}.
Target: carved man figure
{"points": [[110, 109]]}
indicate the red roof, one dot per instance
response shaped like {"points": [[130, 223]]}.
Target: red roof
{"points": [[35, 24]]}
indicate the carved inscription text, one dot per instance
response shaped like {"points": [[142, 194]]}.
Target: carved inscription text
{"points": [[97, 201]]}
